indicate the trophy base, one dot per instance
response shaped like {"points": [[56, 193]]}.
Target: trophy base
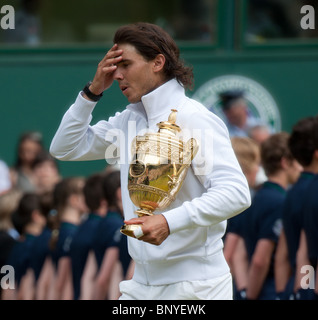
{"points": [[144, 212], [128, 229]]}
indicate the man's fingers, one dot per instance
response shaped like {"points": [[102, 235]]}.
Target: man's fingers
{"points": [[112, 57], [115, 60], [109, 69], [135, 221], [110, 65]]}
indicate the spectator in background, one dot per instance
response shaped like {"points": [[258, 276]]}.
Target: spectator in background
{"points": [[8, 204], [69, 202], [248, 155], [259, 133], [46, 172], [29, 146], [40, 250], [29, 221], [84, 266], [261, 223], [303, 144], [307, 254], [5, 178], [110, 245], [238, 118]]}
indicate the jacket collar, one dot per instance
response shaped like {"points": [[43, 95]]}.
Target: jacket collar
{"points": [[157, 104]]}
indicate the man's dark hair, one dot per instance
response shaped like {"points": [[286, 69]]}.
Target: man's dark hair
{"points": [[273, 150], [151, 40], [228, 98], [22, 216], [111, 183], [303, 140], [93, 191]]}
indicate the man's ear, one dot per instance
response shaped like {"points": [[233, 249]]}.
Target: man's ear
{"points": [[285, 163], [159, 62]]}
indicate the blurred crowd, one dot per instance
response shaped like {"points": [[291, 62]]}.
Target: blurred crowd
{"points": [[61, 235], [272, 247]]}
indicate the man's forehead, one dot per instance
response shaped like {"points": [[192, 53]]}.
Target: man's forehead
{"points": [[130, 52]]}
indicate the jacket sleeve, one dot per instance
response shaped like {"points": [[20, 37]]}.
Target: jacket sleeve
{"points": [[216, 167], [76, 139]]}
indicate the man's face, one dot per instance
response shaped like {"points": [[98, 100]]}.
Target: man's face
{"points": [[293, 170], [237, 114], [135, 75]]}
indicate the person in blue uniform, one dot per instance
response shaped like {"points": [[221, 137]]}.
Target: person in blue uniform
{"points": [[82, 243], [262, 221], [6, 245], [112, 190], [29, 221], [248, 155], [70, 204], [8, 235], [110, 245], [40, 247], [303, 145], [40, 250], [307, 254]]}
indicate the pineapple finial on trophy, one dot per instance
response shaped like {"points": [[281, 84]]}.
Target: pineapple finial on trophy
{"points": [[173, 116], [170, 125]]}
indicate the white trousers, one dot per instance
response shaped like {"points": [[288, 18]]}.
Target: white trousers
{"points": [[215, 289]]}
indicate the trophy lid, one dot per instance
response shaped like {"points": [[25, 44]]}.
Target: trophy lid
{"points": [[171, 123]]}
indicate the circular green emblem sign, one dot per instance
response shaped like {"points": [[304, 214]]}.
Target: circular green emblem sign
{"points": [[259, 101]]}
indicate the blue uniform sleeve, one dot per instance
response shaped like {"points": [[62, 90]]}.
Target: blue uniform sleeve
{"points": [[271, 224]]}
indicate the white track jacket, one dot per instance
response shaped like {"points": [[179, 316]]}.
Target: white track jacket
{"points": [[214, 190]]}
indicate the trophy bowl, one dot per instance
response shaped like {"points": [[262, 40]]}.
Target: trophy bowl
{"points": [[158, 169]]}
